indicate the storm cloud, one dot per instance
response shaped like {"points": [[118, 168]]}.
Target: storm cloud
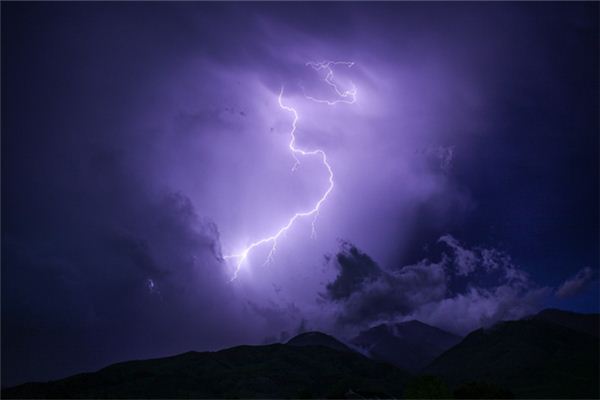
{"points": [[465, 288], [141, 142]]}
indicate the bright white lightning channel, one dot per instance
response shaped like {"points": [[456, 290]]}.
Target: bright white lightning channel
{"points": [[347, 96]]}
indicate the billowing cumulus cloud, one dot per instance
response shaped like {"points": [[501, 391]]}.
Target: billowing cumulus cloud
{"points": [[464, 289]]}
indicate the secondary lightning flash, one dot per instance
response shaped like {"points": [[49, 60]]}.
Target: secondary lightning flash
{"points": [[347, 96]]}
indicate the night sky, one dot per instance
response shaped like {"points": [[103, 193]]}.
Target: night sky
{"points": [[143, 142]]}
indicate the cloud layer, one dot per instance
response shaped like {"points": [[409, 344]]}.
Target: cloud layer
{"points": [[466, 288]]}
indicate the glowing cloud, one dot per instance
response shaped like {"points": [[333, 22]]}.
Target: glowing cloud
{"points": [[347, 96]]}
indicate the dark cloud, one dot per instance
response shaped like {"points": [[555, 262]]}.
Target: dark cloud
{"points": [[93, 298], [356, 269], [465, 289]]}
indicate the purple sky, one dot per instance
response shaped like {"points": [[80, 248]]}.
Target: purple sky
{"points": [[143, 141]]}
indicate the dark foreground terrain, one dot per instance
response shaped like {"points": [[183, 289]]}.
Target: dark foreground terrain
{"points": [[272, 371], [554, 354], [410, 345]]}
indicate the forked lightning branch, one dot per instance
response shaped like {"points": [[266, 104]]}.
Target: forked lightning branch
{"points": [[343, 96]]}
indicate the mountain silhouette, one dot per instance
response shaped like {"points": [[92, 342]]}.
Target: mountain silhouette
{"points": [[410, 345], [553, 354], [317, 339], [585, 323], [271, 371], [533, 357]]}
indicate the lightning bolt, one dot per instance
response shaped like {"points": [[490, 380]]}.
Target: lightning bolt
{"points": [[347, 96]]}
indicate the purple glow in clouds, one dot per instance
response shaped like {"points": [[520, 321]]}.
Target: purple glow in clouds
{"points": [[346, 96], [142, 143]]}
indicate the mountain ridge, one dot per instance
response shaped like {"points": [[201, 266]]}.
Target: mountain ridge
{"points": [[246, 371], [410, 345], [551, 354], [531, 357], [580, 322], [315, 338]]}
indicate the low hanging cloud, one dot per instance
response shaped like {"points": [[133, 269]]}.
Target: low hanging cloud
{"points": [[575, 284], [465, 289]]}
